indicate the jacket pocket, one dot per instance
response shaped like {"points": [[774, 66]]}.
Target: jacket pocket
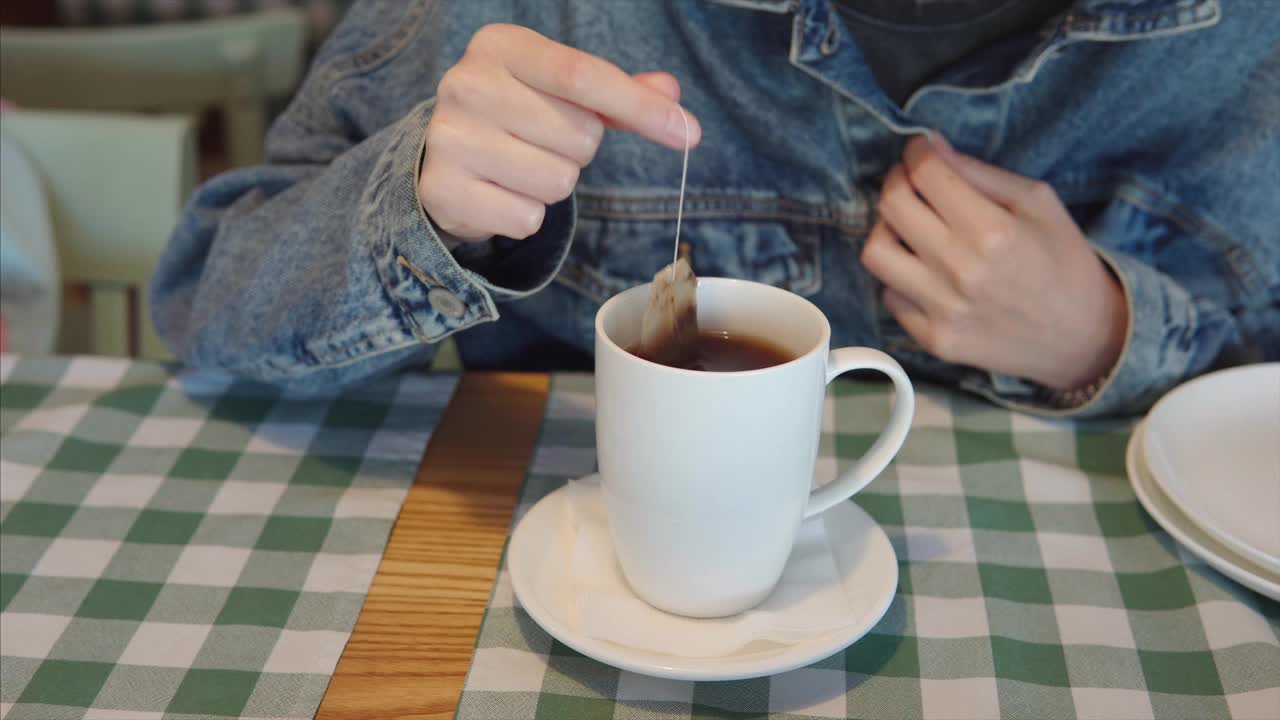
{"points": [[621, 241]]}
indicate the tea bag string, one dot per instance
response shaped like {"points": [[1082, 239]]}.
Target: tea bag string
{"points": [[684, 173]]}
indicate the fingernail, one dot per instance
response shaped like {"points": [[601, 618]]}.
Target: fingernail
{"points": [[938, 140], [682, 128]]}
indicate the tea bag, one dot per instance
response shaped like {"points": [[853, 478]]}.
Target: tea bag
{"points": [[669, 329]]}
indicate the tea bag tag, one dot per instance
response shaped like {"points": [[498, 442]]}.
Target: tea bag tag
{"points": [[684, 174]]}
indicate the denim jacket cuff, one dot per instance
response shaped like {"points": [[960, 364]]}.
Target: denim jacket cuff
{"points": [[1158, 351], [436, 295]]}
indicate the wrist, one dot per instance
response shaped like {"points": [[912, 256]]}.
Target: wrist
{"points": [[1092, 353]]}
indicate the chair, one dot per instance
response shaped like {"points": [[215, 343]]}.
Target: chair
{"points": [[116, 185], [233, 64]]}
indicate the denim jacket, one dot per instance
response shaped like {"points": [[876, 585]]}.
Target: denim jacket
{"points": [[1156, 121]]}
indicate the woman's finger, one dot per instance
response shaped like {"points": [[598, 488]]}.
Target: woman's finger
{"points": [[958, 203], [910, 316], [911, 219], [1015, 192], [590, 82], [494, 155], [488, 96], [480, 209], [895, 266]]}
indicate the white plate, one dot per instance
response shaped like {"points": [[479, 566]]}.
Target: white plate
{"points": [[863, 554], [1177, 524], [1213, 446]]}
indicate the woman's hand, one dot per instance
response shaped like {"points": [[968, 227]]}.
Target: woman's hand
{"points": [[516, 120], [984, 267]]}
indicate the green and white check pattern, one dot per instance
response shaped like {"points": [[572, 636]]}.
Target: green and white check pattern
{"points": [[183, 546], [1032, 585]]}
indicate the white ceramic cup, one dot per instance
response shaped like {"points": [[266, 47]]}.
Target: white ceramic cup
{"points": [[707, 476]]}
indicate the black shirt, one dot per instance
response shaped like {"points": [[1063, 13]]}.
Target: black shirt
{"points": [[907, 42]]}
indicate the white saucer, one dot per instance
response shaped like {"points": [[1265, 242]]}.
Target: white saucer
{"points": [[1213, 446], [864, 555], [1176, 523]]}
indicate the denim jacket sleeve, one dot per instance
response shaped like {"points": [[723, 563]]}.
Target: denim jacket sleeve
{"points": [[1172, 336], [320, 267], [1197, 254]]}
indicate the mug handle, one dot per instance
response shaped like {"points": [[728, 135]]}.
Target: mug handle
{"points": [[866, 468]]}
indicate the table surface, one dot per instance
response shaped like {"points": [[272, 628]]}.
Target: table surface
{"points": [[413, 644], [1034, 516], [410, 650]]}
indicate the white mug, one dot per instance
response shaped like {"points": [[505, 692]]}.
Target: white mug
{"points": [[708, 475]]}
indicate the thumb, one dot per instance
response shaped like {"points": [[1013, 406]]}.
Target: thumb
{"points": [[1007, 188]]}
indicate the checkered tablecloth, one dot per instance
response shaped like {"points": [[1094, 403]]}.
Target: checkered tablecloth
{"points": [[1032, 585], [182, 546]]}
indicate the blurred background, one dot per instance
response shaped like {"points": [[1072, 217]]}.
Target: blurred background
{"points": [[112, 112]]}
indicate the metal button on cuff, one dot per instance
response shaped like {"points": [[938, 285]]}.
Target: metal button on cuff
{"points": [[446, 303]]}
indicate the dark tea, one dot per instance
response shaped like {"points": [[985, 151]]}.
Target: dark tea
{"points": [[721, 352]]}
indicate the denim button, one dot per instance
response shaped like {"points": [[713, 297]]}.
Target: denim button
{"points": [[446, 303]]}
